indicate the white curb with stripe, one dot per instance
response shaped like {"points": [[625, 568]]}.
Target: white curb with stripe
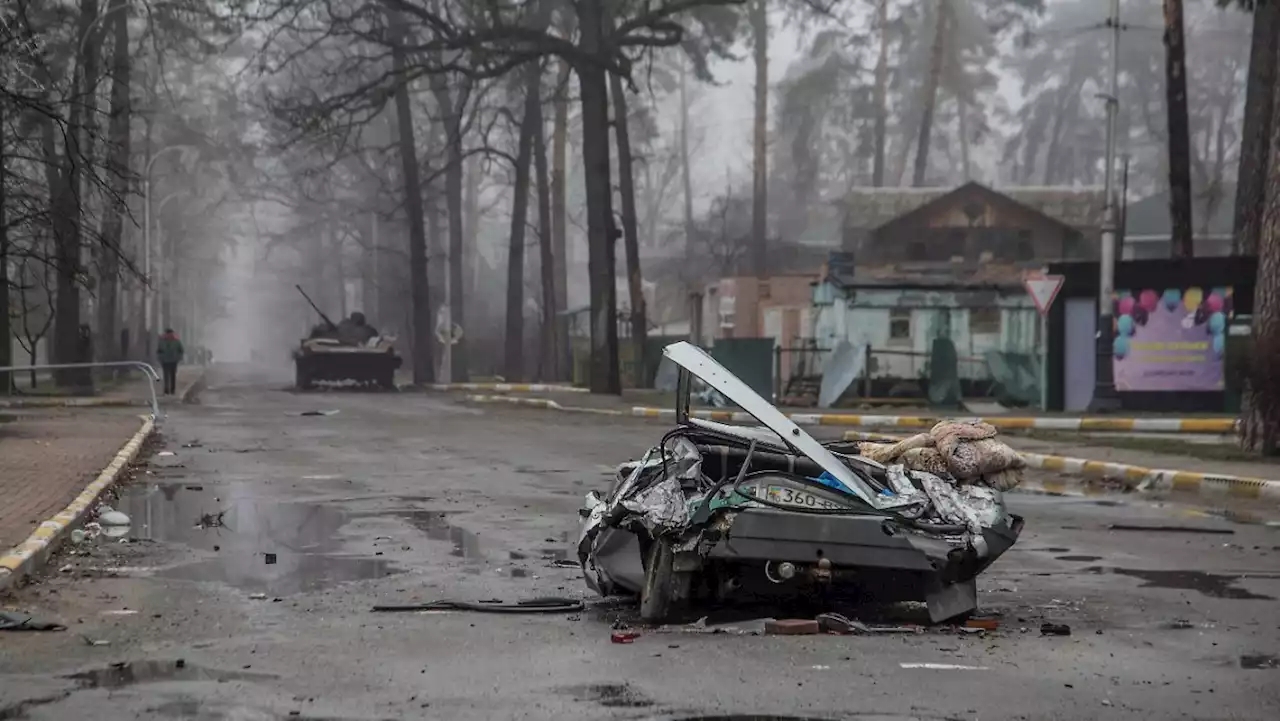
{"points": [[1132, 425]]}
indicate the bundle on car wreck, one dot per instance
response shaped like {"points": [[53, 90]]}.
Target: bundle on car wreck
{"points": [[716, 511]]}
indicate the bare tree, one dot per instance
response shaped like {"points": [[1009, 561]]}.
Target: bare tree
{"points": [[1179, 130]]}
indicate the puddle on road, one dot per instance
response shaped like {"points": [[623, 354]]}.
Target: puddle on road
{"points": [[268, 547], [139, 672], [1210, 584], [435, 524]]}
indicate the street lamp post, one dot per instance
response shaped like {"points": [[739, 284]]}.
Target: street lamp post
{"points": [[1104, 388], [162, 270], [147, 314]]}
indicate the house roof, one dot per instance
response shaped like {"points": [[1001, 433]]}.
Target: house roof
{"points": [[1077, 207], [1149, 217], [971, 189], [937, 275]]}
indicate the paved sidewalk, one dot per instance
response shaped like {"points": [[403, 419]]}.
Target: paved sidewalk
{"points": [[47, 459]]}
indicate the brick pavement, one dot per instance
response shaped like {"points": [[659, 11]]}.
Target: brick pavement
{"points": [[47, 459]]}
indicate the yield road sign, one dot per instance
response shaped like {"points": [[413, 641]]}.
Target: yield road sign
{"points": [[1043, 289]]}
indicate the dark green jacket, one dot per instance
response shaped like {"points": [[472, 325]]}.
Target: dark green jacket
{"points": [[170, 349]]}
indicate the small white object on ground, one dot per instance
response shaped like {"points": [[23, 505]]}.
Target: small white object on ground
{"points": [[258, 596], [943, 667], [111, 517], [77, 536], [166, 453]]}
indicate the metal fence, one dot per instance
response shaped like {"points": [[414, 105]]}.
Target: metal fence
{"points": [[889, 375], [147, 371]]}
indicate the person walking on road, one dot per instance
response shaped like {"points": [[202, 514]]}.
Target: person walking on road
{"points": [[169, 353]]}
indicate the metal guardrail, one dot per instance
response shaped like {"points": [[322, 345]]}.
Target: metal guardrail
{"points": [[146, 368]]}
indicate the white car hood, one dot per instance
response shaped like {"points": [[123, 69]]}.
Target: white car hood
{"points": [[699, 363]]}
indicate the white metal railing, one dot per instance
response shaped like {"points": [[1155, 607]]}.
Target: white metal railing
{"points": [[146, 368]]}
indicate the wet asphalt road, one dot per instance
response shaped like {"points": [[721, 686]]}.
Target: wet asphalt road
{"points": [[261, 543]]}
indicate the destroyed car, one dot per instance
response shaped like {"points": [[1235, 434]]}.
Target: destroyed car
{"points": [[716, 512]]}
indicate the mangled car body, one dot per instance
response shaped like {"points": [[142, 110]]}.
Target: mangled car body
{"points": [[716, 511]]}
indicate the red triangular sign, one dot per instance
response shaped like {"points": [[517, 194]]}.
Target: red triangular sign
{"points": [[1043, 289]]}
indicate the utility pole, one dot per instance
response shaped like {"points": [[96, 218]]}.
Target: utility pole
{"points": [[1105, 398]]}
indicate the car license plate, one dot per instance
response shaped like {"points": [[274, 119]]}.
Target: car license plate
{"points": [[788, 496]]}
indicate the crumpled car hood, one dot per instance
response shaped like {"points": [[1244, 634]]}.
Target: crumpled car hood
{"points": [[699, 363]]}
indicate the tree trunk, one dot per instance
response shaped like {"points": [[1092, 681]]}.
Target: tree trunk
{"points": [[6, 319], [546, 253], [119, 173], [452, 105], [419, 289], [1256, 133], [1260, 412], [471, 212], [601, 232], [932, 81], [559, 237], [760, 126], [630, 235], [685, 174], [513, 349], [1179, 131], [882, 93]]}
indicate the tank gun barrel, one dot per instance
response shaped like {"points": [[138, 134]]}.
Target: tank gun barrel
{"points": [[316, 308]]}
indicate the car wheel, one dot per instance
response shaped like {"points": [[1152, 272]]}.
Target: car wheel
{"points": [[664, 589]]}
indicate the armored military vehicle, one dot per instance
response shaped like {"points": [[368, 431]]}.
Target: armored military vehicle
{"points": [[347, 352]]}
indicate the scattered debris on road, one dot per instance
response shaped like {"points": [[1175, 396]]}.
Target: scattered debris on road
{"points": [[315, 413], [1055, 629], [14, 621], [108, 516]]}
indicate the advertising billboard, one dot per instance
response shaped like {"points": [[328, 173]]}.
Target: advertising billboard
{"points": [[1172, 339]]}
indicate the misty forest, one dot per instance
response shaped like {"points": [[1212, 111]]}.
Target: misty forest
{"points": [[483, 177]]}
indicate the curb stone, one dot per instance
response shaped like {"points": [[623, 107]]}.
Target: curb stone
{"points": [[1005, 423], [23, 559], [1133, 478], [507, 387]]}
